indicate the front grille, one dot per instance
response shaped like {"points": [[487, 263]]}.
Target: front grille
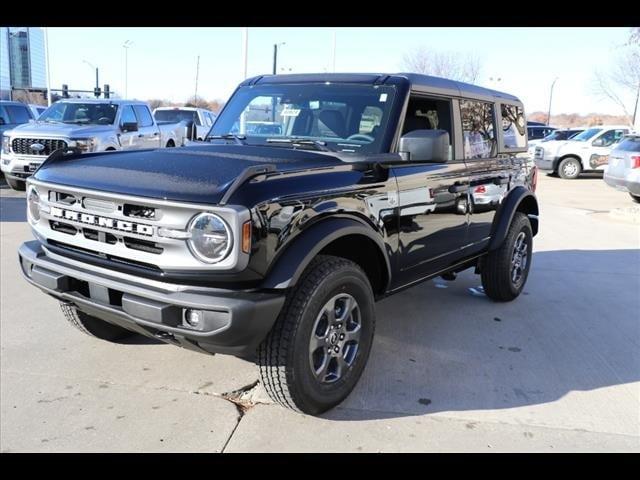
{"points": [[22, 146]]}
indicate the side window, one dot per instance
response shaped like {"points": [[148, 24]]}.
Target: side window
{"points": [[127, 115], [144, 117], [513, 126], [429, 114], [479, 137], [196, 118], [207, 119], [18, 114], [4, 117]]}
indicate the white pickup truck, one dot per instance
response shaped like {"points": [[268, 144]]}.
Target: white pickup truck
{"points": [[587, 151], [88, 125]]}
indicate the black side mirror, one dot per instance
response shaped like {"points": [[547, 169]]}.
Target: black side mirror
{"points": [[129, 127], [2, 122], [425, 146]]}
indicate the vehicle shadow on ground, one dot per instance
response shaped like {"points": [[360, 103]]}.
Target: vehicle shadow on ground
{"points": [[443, 346], [13, 209]]}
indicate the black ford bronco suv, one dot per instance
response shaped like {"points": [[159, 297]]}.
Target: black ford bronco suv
{"points": [[275, 244]]}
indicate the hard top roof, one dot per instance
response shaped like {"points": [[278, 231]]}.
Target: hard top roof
{"points": [[418, 81], [102, 100]]}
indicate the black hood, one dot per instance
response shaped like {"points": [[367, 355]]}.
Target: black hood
{"points": [[198, 174]]}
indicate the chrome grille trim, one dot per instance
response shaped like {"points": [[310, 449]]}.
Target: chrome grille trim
{"points": [[22, 146]]}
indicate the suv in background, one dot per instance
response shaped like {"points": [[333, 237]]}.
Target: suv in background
{"points": [[538, 132], [555, 136], [587, 151], [199, 120], [623, 170], [275, 245], [13, 114]]}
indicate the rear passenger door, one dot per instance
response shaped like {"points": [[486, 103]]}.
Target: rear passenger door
{"points": [[489, 173], [148, 132], [432, 197]]}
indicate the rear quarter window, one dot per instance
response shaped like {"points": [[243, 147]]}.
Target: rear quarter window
{"points": [[513, 126], [629, 144]]}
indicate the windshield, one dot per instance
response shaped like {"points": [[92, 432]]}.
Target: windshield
{"points": [[80, 113], [175, 115], [586, 135], [340, 117]]}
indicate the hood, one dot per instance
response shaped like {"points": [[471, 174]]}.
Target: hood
{"points": [[189, 174], [43, 129]]}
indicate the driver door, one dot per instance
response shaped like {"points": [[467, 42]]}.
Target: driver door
{"points": [[601, 147], [130, 140]]}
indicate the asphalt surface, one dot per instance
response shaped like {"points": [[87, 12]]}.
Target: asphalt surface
{"points": [[558, 369]]}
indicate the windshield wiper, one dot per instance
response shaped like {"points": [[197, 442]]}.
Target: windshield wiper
{"points": [[317, 144], [240, 139]]}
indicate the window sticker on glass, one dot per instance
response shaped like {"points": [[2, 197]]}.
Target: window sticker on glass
{"points": [[290, 112], [314, 104], [383, 97]]}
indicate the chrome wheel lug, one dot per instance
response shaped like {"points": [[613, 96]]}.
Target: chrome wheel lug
{"points": [[342, 336]]}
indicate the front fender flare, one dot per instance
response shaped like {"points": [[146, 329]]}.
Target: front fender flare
{"points": [[508, 208], [288, 266]]}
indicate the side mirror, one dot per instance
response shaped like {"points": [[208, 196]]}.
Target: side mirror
{"points": [[2, 122], [598, 142], [129, 127], [425, 146]]}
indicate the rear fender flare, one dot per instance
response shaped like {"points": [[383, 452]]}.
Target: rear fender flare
{"points": [[520, 199]]}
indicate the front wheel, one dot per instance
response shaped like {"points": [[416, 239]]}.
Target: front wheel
{"points": [[93, 326], [569, 168], [318, 347], [505, 270], [18, 185]]}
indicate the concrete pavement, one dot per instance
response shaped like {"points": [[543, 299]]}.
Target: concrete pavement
{"points": [[556, 370]]}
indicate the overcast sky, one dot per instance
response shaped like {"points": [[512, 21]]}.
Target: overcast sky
{"points": [[162, 61]]}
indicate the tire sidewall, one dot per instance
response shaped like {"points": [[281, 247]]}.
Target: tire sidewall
{"points": [[319, 397], [522, 225], [565, 162]]}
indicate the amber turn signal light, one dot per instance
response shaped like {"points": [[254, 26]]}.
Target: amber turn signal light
{"points": [[246, 237]]}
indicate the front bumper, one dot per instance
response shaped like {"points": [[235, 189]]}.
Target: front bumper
{"points": [[19, 167], [546, 164], [234, 322]]}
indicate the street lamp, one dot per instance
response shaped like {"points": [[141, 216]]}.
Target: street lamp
{"points": [[97, 81], [550, 97], [126, 46]]}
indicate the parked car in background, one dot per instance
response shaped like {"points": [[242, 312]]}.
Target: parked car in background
{"points": [[199, 120], [587, 151], [13, 114], [538, 132], [557, 135], [623, 170], [88, 126]]}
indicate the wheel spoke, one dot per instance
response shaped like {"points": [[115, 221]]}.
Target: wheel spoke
{"points": [[317, 342], [342, 366], [353, 335], [321, 373], [349, 304]]}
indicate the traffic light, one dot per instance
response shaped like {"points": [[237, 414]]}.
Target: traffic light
{"points": [[65, 90], [106, 90], [97, 91]]}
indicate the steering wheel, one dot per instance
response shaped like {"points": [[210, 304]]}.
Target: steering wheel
{"points": [[361, 136], [104, 120]]}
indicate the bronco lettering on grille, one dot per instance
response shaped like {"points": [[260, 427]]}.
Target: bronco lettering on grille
{"points": [[100, 221]]}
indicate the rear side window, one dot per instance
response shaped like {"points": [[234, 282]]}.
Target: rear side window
{"points": [[4, 116], [629, 144], [513, 127], [144, 117], [18, 114], [479, 136]]}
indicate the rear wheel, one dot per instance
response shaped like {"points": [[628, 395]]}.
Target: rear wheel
{"points": [[318, 347], [94, 326], [505, 270], [569, 168], [170, 144], [18, 185]]}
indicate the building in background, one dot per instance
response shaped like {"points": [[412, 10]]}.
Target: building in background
{"points": [[22, 61]]}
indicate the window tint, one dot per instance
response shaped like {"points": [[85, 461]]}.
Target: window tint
{"points": [[425, 113], [207, 119], [128, 116], [4, 117], [513, 126], [612, 136], [477, 127], [629, 144], [144, 117], [18, 113]]}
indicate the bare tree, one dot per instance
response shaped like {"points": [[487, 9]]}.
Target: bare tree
{"points": [[621, 84], [452, 65], [158, 102]]}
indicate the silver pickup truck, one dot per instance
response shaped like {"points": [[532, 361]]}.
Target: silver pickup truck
{"points": [[88, 126]]}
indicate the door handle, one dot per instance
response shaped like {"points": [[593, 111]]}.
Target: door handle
{"points": [[140, 135], [458, 188]]}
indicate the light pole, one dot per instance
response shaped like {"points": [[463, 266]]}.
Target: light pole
{"points": [[97, 81], [275, 66], [550, 97], [126, 46]]}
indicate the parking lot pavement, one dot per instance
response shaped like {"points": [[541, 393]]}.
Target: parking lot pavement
{"points": [[556, 370]]}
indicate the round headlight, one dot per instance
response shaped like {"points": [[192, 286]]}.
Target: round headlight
{"points": [[33, 204], [211, 238]]}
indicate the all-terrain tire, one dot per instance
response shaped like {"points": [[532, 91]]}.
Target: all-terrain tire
{"points": [[498, 266], [285, 357], [94, 326], [18, 185]]}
